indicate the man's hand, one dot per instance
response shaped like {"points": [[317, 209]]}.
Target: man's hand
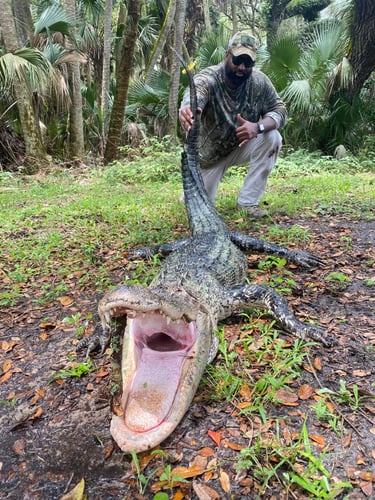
{"points": [[186, 117], [246, 130]]}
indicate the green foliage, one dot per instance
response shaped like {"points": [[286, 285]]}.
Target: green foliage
{"points": [[163, 163], [309, 9]]}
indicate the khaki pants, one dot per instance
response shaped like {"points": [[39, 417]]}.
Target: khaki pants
{"points": [[261, 153]]}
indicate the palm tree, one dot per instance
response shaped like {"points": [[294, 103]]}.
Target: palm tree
{"points": [[19, 68], [124, 69]]}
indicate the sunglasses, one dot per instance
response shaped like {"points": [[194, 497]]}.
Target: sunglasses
{"points": [[246, 61]]}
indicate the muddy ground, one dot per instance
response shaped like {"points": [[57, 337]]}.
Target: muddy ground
{"points": [[54, 433]]}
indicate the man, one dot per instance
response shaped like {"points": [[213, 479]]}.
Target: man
{"points": [[240, 114]]}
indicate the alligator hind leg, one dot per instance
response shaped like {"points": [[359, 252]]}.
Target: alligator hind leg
{"points": [[243, 297]]}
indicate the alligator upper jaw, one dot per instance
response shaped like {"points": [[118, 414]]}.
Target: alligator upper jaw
{"points": [[162, 363]]}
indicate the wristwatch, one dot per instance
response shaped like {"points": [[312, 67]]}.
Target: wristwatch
{"points": [[260, 127]]}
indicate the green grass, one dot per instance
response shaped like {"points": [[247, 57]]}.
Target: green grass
{"points": [[66, 231]]}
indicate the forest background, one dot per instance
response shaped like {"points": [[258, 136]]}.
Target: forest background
{"points": [[82, 80]]}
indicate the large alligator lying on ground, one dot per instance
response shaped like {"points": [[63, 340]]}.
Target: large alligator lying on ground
{"points": [[170, 328]]}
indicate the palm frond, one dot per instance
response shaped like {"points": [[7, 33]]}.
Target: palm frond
{"points": [[54, 18]]}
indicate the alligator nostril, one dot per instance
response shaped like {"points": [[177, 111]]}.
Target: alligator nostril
{"points": [[161, 342]]}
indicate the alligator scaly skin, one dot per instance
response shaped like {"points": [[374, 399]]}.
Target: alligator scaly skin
{"points": [[170, 332]]}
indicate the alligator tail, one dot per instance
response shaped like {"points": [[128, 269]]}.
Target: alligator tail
{"points": [[202, 214]]}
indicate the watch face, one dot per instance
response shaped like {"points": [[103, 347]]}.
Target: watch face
{"points": [[260, 127]]}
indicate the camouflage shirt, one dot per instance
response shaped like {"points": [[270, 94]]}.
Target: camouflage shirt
{"points": [[253, 100]]}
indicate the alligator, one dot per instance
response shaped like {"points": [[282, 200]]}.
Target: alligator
{"points": [[169, 335]]}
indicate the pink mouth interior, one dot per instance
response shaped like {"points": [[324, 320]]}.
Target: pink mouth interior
{"points": [[161, 350]]}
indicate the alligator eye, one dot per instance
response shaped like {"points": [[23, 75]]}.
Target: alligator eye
{"points": [[163, 343]]}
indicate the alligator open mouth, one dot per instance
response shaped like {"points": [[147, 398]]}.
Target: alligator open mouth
{"points": [[155, 356], [161, 348]]}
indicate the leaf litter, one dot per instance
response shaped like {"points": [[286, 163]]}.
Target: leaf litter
{"points": [[55, 435]]}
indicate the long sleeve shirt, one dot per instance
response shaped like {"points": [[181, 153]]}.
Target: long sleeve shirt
{"points": [[254, 99]]}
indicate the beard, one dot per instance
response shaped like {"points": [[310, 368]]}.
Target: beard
{"points": [[234, 78]]}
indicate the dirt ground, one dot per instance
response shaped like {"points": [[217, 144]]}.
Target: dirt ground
{"points": [[53, 434]]}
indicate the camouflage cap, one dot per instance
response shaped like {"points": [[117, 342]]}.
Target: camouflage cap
{"points": [[243, 43]]}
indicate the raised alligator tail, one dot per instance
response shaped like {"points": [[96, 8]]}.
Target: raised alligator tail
{"points": [[202, 214]]}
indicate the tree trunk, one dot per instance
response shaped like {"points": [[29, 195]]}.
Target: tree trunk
{"points": [[160, 42], [106, 68], [123, 77], [35, 153], [175, 68], [206, 16], [76, 136], [362, 55], [24, 22]]}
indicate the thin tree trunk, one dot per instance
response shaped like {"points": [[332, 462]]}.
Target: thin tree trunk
{"points": [[206, 16], [35, 153], [160, 42], [76, 139], [106, 68], [123, 77], [175, 68]]}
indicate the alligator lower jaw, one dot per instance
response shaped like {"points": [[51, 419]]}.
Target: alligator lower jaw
{"points": [[161, 369]]}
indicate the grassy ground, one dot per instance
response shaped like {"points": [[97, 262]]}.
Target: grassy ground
{"points": [[65, 235]]}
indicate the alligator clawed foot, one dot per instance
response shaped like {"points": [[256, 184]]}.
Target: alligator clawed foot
{"points": [[97, 340], [305, 259]]}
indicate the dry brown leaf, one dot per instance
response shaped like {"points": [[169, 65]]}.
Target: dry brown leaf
{"points": [[347, 439], [178, 495], [206, 452], [5, 377], [245, 392], [36, 414], [366, 488], [320, 440], [317, 364], [66, 300], [47, 325], [108, 451], [305, 391], [7, 345], [204, 492], [367, 475], [287, 398], [7, 365], [244, 404], [224, 481], [234, 446], [361, 373]]}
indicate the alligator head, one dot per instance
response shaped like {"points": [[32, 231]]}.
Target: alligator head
{"points": [[165, 350]]}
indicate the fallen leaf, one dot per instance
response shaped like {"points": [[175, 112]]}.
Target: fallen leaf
{"points": [[347, 439], [320, 440], [215, 436], [5, 377], [287, 398], [77, 493], [66, 301], [224, 481], [317, 364], [204, 492], [7, 365], [366, 488], [36, 414], [305, 391], [234, 446], [8, 345], [206, 452], [47, 325], [178, 495], [361, 373]]}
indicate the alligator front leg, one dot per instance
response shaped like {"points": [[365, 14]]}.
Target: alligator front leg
{"points": [[100, 338], [239, 298], [248, 244]]}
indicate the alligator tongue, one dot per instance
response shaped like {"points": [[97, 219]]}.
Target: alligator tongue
{"points": [[154, 384]]}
